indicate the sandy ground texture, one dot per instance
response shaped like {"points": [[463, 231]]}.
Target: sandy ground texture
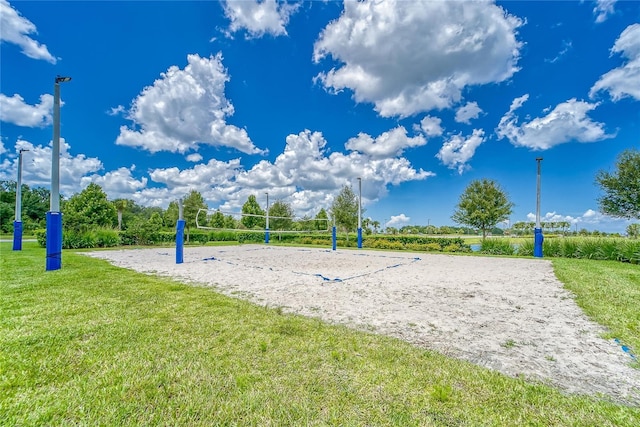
{"points": [[510, 315]]}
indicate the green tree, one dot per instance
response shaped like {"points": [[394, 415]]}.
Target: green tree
{"points": [[35, 204], [191, 205], [87, 209], [633, 230], [217, 220], [621, 197], [280, 216], [482, 205], [322, 220], [121, 206], [252, 207], [345, 209], [230, 222], [171, 215]]}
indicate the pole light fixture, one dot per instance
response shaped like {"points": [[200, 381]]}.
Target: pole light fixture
{"points": [[17, 224], [54, 217], [359, 213], [266, 231], [537, 232]]}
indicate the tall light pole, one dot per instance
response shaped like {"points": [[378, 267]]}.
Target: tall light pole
{"points": [[54, 217], [359, 213], [17, 224], [538, 237], [266, 231], [180, 223]]}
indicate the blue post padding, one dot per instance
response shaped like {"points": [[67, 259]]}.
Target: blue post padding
{"points": [[54, 241], [266, 236], [180, 241], [17, 235], [360, 238], [334, 238], [537, 243]]}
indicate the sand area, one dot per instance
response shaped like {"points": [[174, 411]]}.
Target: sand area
{"points": [[506, 314]]}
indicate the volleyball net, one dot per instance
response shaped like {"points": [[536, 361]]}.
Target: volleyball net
{"points": [[216, 219]]}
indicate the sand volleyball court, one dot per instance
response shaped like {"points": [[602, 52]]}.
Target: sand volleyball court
{"points": [[510, 315]]}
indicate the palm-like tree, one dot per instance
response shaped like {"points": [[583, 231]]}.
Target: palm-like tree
{"points": [[121, 206]]}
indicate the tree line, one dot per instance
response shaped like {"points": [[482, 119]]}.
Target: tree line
{"points": [[481, 207]]}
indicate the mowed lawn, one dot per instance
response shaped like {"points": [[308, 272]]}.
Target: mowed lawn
{"points": [[93, 344]]}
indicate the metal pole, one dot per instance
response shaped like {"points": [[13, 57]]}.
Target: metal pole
{"points": [[538, 237], [17, 224], [334, 236], [55, 151], [180, 234], [266, 231], [359, 213], [54, 217]]}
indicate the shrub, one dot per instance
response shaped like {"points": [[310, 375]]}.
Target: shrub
{"points": [[72, 239], [41, 237], [107, 238], [497, 247], [526, 248]]}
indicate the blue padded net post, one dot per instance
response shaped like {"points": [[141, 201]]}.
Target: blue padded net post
{"points": [[17, 235], [360, 238], [54, 241], [334, 238], [266, 235], [180, 241], [537, 243]]}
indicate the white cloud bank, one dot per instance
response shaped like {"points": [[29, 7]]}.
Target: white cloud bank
{"points": [[36, 166], [259, 17], [623, 81], [567, 122], [305, 174], [15, 110], [411, 56], [458, 150], [16, 29], [185, 108], [398, 220]]}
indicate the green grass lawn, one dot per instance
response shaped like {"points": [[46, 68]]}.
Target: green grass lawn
{"points": [[609, 293], [93, 344]]}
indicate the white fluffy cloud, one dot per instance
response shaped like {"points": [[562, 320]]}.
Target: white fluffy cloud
{"points": [[469, 111], [36, 166], [305, 174], [118, 184], [15, 110], [567, 122], [603, 9], [412, 56], [431, 126], [213, 173], [16, 29], [458, 150], [259, 17], [185, 108], [625, 80], [398, 220], [388, 144], [194, 157]]}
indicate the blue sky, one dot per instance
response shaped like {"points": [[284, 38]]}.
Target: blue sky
{"points": [[298, 99]]}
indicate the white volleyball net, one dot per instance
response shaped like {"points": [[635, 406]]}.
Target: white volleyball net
{"points": [[215, 219]]}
